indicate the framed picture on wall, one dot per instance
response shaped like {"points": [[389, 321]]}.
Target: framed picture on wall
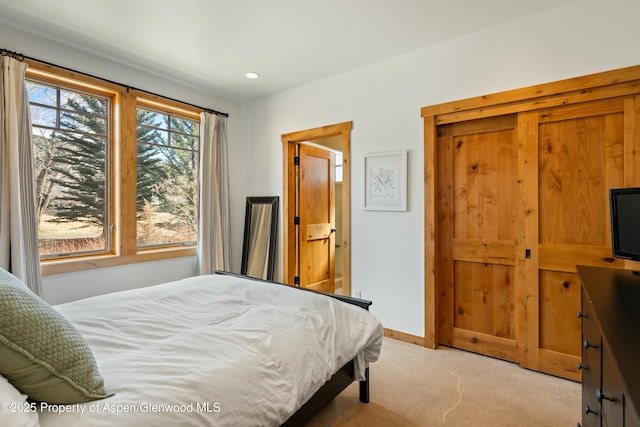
{"points": [[385, 181]]}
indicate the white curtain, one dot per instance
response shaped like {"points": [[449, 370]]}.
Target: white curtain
{"points": [[214, 224], [18, 227]]}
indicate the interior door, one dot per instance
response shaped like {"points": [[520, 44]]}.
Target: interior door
{"points": [[316, 212], [577, 154], [477, 233]]}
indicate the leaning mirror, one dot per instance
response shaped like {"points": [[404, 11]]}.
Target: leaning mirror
{"points": [[259, 247]]}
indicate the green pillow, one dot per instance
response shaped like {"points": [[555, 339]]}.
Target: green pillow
{"points": [[41, 353]]}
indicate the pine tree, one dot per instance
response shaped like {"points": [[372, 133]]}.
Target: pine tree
{"points": [[79, 167], [150, 170], [79, 162]]}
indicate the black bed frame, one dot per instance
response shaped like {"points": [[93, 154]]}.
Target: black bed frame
{"points": [[338, 382]]}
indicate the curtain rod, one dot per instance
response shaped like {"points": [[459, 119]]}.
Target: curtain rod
{"points": [[21, 57]]}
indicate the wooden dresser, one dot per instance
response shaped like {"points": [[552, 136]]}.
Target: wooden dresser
{"points": [[610, 364]]}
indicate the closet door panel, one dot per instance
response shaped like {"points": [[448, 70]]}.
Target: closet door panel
{"points": [[578, 163], [483, 186], [559, 303], [484, 304], [476, 266], [579, 158]]}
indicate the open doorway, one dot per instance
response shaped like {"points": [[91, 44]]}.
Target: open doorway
{"points": [[336, 139]]}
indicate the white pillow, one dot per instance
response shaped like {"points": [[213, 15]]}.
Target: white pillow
{"points": [[15, 411]]}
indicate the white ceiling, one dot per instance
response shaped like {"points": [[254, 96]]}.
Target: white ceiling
{"points": [[212, 43]]}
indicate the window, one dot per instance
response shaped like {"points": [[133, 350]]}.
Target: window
{"points": [[107, 195], [167, 179], [71, 145]]}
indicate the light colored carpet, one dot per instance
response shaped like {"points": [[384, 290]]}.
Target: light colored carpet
{"points": [[415, 386]]}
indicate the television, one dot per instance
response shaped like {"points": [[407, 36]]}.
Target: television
{"points": [[625, 222]]}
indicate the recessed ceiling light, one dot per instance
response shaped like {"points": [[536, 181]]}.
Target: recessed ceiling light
{"points": [[252, 75]]}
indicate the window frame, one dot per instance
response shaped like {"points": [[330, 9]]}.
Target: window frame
{"points": [[122, 170], [109, 159]]}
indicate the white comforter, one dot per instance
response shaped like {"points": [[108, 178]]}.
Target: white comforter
{"points": [[213, 350]]}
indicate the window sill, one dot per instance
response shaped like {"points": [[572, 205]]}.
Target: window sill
{"points": [[69, 265]]}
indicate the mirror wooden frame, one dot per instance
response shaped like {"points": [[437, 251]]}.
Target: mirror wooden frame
{"points": [[259, 243]]}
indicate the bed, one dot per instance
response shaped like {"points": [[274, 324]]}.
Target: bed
{"points": [[220, 349]]}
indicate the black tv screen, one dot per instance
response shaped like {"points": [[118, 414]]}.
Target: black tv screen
{"points": [[625, 222]]}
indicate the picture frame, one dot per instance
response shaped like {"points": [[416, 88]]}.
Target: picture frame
{"points": [[385, 181]]}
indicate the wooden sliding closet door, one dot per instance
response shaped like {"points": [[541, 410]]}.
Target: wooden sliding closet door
{"points": [[572, 157], [477, 229], [516, 196]]}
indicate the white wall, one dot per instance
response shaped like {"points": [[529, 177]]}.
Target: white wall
{"points": [[384, 100], [61, 288], [65, 287]]}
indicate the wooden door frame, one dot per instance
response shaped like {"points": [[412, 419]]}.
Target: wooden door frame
{"points": [[289, 141]]}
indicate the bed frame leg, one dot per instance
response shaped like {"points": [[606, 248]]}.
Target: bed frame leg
{"points": [[364, 387]]}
